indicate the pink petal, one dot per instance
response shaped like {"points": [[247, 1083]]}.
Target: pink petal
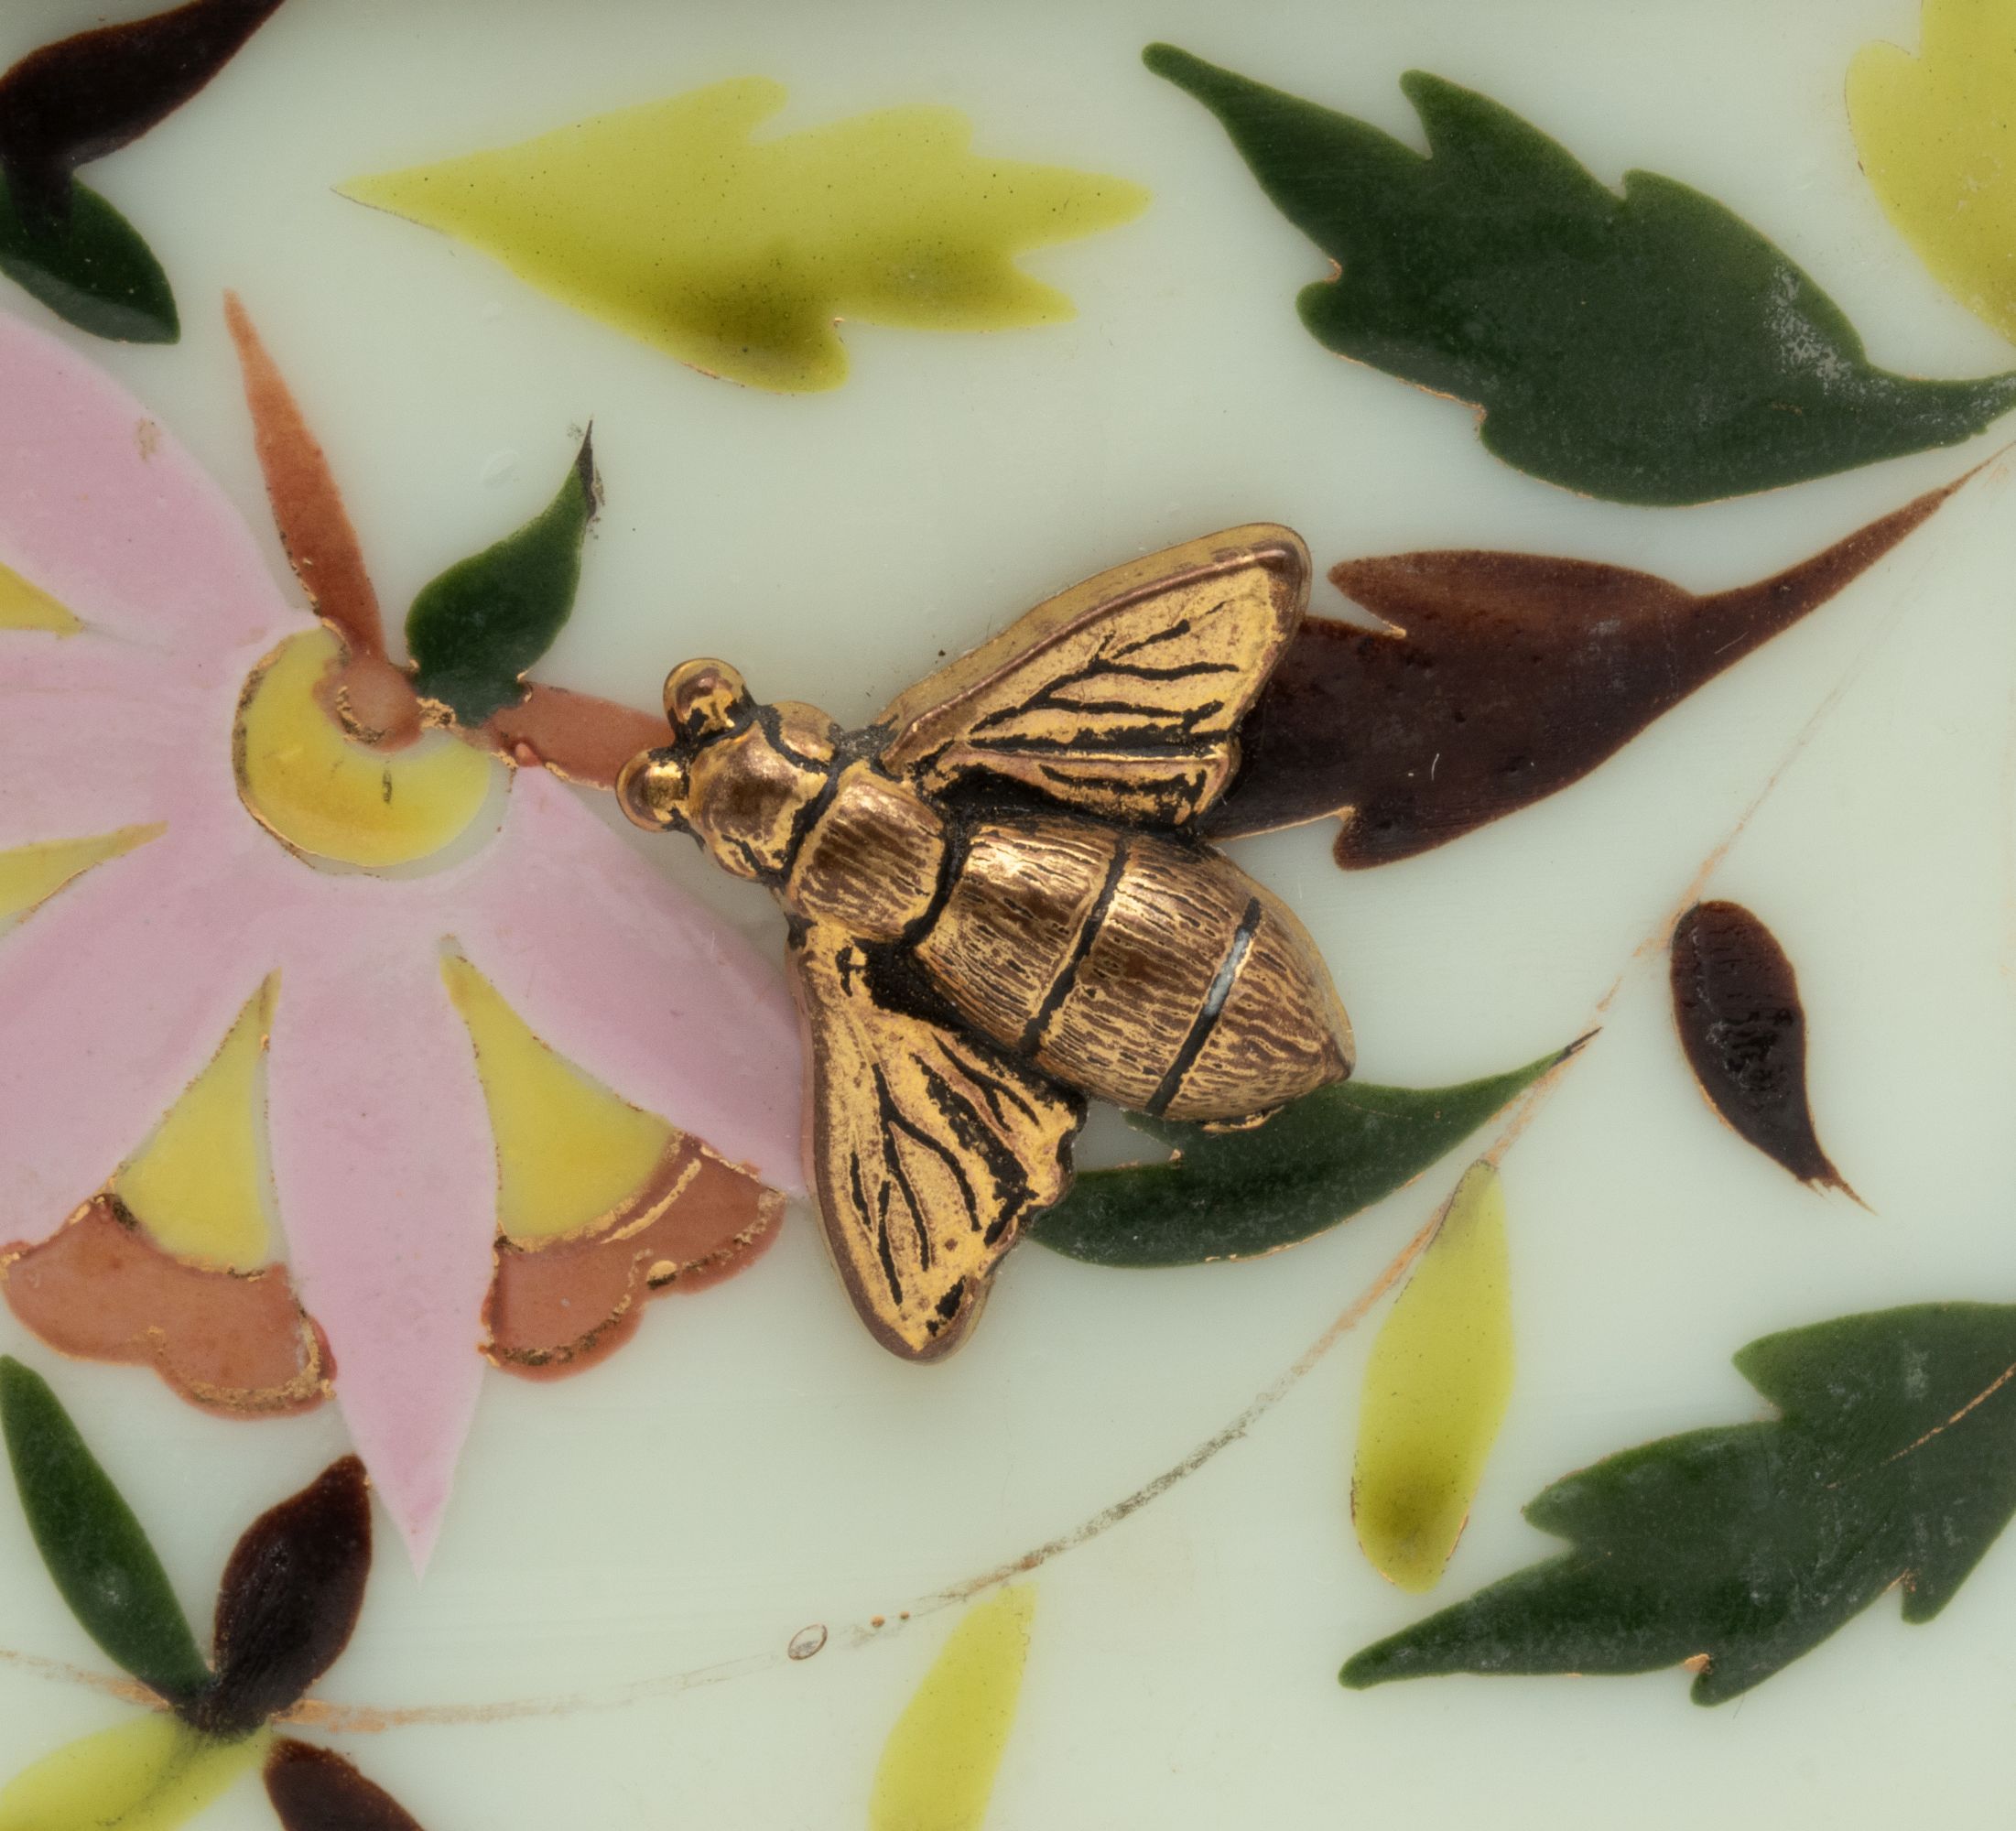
{"points": [[626, 975], [388, 1193], [84, 762], [101, 509], [113, 994]]}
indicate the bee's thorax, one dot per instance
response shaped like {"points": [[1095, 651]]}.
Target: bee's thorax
{"points": [[872, 860]]}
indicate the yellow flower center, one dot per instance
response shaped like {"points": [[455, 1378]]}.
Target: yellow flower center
{"points": [[325, 795]]}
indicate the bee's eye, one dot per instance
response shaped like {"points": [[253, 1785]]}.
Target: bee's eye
{"points": [[651, 790], [704, 698]]}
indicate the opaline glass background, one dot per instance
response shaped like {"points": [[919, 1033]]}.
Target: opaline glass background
{"points": [[754, 1463]]}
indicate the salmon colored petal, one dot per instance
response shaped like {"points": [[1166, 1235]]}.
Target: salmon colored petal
{"points": [[232, 1343], [113, 995], [559, 1307], [388, 1192], [627, 976], [102, 510]]}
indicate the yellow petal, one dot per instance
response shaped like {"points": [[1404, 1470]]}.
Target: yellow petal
{"points": [[1435, 1391], [735, 255], [939, 1765], [31, 874], [24, 606], [569, 1152], [149, 1774], [198, 1186], [331, 797], [1937, 136]]}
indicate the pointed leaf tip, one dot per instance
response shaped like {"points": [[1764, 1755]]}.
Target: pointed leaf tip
{"points": [[149, 1773], [1236, 1194], [289, 1599], [1499, 679], [1892, 1465], [315, 1789], [93, 269], [475, 630], [938, 1767], [1435, 1391], [740, 255], [97, 1553], [1737, 1007], [1598, 332]]}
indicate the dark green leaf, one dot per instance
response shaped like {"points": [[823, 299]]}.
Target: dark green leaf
{"points": [[91, 268], [1893, 1460], [1648, 348], [95, 1549], [475, 630], [1231, 1194], [289, 1599]]}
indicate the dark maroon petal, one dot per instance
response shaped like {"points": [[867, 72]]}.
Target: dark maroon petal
{"points": [[317, 1790], [85, 96], [1736, 1002], [289, 1599], [1506, 676]]}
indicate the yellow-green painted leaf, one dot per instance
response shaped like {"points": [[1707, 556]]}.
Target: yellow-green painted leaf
{"points": [[149, 1774], [1937, 136], [939, 1765], [1435, 1391], [737, 255]]}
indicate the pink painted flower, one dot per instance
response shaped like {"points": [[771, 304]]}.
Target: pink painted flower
{"points": [[115, 990]]}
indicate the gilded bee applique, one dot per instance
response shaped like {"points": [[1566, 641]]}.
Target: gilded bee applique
{"points": [[999, 906]]}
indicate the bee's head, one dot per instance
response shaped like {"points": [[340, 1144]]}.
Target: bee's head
{"points": [[736, 775]]}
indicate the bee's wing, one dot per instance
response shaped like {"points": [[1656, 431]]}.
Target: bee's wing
{"points": [[928, 1150], [1122, 696]]}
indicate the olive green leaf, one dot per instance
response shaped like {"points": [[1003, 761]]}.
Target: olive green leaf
{"points": [[95, 1549], [475, 630], [1233, 1195], [1435, 1391], [1892, 1461], [1649, 347], [739, 252], [90, 267]]}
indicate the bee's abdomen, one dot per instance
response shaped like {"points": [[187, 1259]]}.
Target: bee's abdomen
{"points": [[1136, 968]]}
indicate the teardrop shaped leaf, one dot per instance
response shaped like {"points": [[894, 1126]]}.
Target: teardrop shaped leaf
{"points": [[1648, 348], [475, 630], [96, 1551], [939, 1765], [149, 1774], [1892, 1465], [1435, 1391], [1233, 1195], [738, 254], [1937, 139], [91, 93], [1736, 1004], [91, 268], [289, 1599], [1501, 678], [317, 1790]]}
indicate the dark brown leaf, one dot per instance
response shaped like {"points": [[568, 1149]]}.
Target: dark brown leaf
{"points": [[85, 96], [317, 1790], [1736, 1002], [1507, 677], [289, 1598]]}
